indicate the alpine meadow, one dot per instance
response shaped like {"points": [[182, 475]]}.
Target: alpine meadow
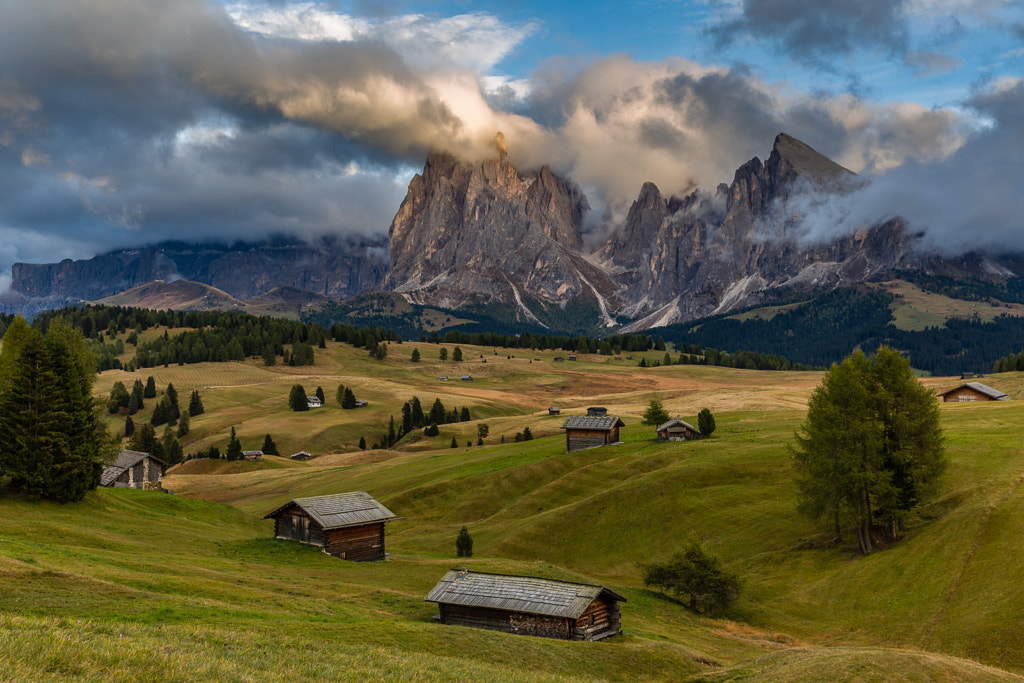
{"points": [[133, 584]]}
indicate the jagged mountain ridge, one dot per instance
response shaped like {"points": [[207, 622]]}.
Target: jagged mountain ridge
{"points": [[476, 234]]}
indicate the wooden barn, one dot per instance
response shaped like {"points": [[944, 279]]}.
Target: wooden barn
{"points": [[597, 411], [252, 455], [590, 432], [527, 605], [133, 470], [678, 430], [349, 526], [554, 410], [973, 391]]}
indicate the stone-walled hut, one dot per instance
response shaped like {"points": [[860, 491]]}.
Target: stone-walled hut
{"points": [[133, 469], [349, 526], [678, 430], [527, 605]]}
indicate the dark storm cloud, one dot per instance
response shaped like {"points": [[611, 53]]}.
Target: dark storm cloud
{"points": [[816, 32], [130, 121]]}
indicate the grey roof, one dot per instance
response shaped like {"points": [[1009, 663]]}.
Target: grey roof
{"points": [[675, 421], [528, 594], [604, 424], [341, 509], [994, 394], [125, 459]]}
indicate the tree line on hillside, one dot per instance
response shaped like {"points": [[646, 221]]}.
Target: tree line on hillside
{"points": [[414, 417]]}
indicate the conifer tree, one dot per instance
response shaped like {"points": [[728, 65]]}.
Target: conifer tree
{"points": [[340, 395], [234, 451], [297, 398], [320, 395], [455, 444], [418, 418], [655, 413], [349, 400], [129, 427], [362, 443], [415, 356], [195, 404], [464, 543], [457, 354], [705, 422], [443, 353], [184, 424], [150, 389], [269, 447]]}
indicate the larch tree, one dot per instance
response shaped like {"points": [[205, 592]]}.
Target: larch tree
{"points": [[870, 447]]}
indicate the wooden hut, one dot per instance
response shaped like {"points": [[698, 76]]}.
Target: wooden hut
{"points": [[301, 455], [590, 432], [527, 605], [252, 455], [554, 410], [678, 430], [597, 411], [349, 526], [133, 469], [973, 391]]}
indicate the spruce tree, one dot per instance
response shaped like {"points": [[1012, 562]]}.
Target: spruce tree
{"points": [[443, 353], [362, 443], [455, 444], [184, 424], [129, 427], [234, 451], [464, 543], [150, 390], [705, 422], [418, 418], [415, 356], [349, 400], [320, 395], [457, 354], [297, 398], [655, 413], [437, 412], [269, 447], [195, 404], [340, 395]]}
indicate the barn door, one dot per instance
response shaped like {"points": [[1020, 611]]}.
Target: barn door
{"points": [[300, 528]]}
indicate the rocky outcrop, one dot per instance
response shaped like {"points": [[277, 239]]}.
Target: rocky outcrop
{"points": [[485, 232], [333, 268]]}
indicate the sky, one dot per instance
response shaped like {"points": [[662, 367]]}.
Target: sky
{"points": [[126, 122]]}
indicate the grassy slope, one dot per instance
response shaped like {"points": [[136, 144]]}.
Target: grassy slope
{"points": [[137, 585]]}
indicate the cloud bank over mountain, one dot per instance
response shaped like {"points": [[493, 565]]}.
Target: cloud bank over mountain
{"points": [[130, 121]]}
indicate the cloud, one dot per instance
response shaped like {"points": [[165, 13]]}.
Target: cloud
{"points": [[967, 201], [816, 32]]}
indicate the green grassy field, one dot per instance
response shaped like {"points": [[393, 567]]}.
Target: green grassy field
{"points": [[132, 585]]}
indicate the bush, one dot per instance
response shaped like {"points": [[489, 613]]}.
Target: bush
{"points": [[464, 543], [696, 577]]}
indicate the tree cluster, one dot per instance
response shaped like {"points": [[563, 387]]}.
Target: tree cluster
{"points": [[52, 443], [870, 448]]}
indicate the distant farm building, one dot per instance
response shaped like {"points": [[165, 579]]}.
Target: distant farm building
{"points": [[678, 430], [554, 411], [301, 455], [133, 470], [442, 378], [572, 357], [973, 391], [252, 455], [362, 404], [597, 411], [970, 375], [527, 605], [590, 432], [349, 526], [314, 402], [467, 378], [559, 359]]}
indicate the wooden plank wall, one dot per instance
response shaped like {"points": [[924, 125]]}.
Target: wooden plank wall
{"points": [[359, 544]]}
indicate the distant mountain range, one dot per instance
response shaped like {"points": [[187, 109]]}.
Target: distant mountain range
{"points": [[487, 237]]}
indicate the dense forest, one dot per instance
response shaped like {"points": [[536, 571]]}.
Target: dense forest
{"points": [[825, 330]]}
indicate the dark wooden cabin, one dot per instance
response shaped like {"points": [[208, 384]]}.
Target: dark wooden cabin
{"points": [[527, 605], [597, 411], [553, 410], [973, 391], [133, 469], [678, 430], [590, 432], [349, 526]]}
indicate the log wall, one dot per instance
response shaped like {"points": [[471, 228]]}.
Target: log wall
{"points": [[359, 544], [965, 394], [578, 439], [507, 622]]}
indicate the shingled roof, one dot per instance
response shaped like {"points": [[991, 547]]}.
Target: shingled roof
{"points": [[675, 421], [125, 459], [527, 594], [994, 394], [341, 509], [603, 424]]}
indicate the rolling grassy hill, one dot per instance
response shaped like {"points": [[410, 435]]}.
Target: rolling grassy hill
{"points": [[135, 585]]}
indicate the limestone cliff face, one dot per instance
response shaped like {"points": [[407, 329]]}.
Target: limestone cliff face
{"points": [[478, 233], [335, 268]]}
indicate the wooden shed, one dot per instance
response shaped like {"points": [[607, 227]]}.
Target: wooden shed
{"points": [[590, 432], [527, 605], [973, 391], [554, 410], [133, 469], [349, 526], [678, 430], [597, 411]]}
